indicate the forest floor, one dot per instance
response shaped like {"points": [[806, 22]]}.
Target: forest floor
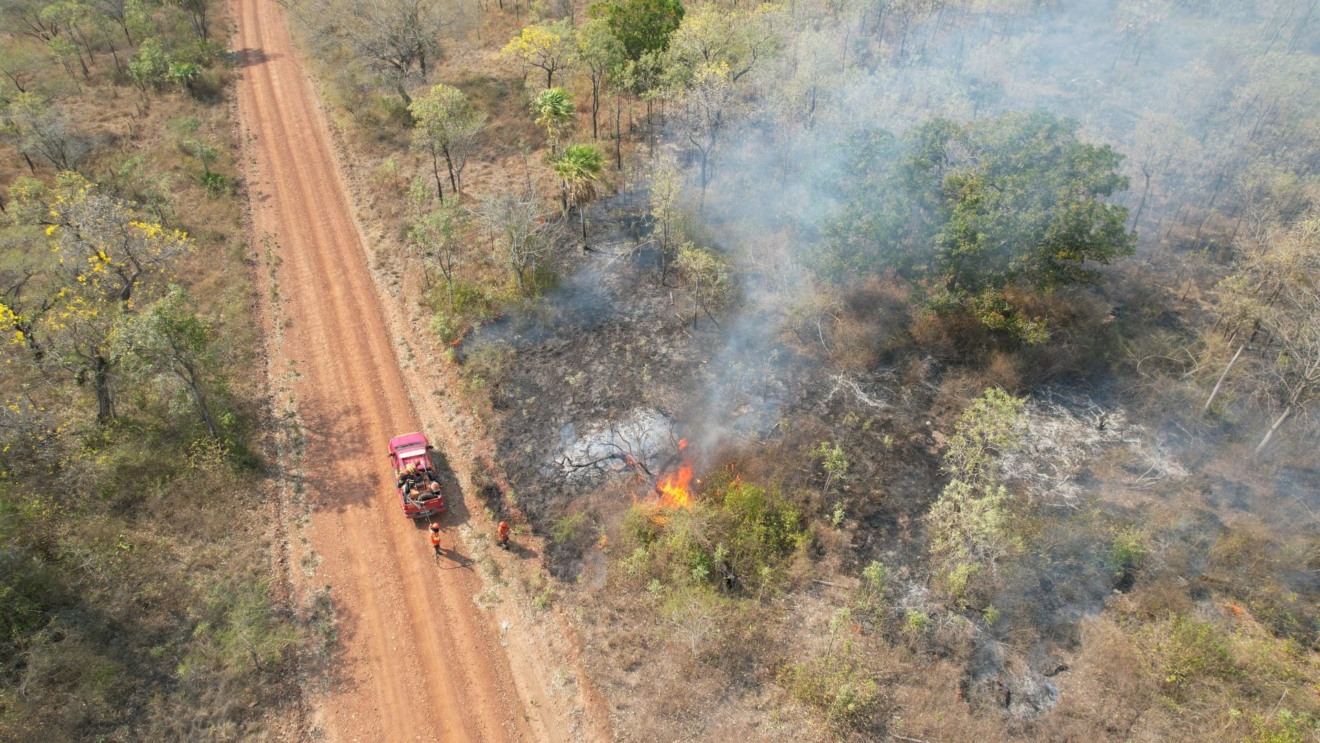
{"points": [[423, 647]]}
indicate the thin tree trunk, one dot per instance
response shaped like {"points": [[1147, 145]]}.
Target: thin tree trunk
{"points": [[435, 171], [1270, 433], [618, 132], [1222, 376], [199, 399], [453, 179], [1141, 207], [105, 401], [595, 106], [1287, 410]]}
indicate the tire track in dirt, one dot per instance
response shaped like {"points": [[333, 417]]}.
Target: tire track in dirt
{"points": [[419, 659]]}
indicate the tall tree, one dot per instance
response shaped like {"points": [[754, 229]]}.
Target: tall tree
{"points": [[548, 47], [579, 167], [40, 130], [601, 52], [105, 262], [398, 39], [170, 344], [641, 26], [519, 223], [736, 41], [446, 125], [666, 188], [1013, 201], [554, 113], [1020, 198], [709, 105]]}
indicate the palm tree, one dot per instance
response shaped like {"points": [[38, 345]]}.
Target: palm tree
{"points": [[579, 167], [554, 113]]}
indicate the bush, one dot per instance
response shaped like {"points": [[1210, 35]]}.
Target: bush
{"points": [[1188, 651], [736, 536], [459, 308], [837, 682], [1126, 554], [837, 686]]}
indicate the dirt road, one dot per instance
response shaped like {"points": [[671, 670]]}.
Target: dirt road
{"points": [[416, 659]]}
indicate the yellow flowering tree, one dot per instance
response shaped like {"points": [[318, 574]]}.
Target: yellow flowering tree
{"points": [[545, 46], [101, 259]]}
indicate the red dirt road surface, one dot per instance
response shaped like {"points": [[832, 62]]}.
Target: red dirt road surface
{"points": [[416, 658]]}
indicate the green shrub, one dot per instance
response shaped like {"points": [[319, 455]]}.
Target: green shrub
{"points": [[1284, 726], [837, 685], [567, 529], [1189, 650], [1126, 554], [735, 536], [915, 622]]}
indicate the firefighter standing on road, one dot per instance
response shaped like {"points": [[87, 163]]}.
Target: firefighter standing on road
{"points": [[435, 538], [502, 534]]}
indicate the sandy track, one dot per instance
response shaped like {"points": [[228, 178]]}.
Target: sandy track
{"points": [[419, 660]]}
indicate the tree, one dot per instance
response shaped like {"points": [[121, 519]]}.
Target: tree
{"points": [[517, 219], [40, 130], [101, 244], [151, 66], [1159, 141], [971, 211], [398, 39], [734, 40], [1273, 291], [103, 260], [196, 11], [579, 167], [545, 46], [23, 295], [707, 276], [666, 188], [446, 124], [1025, 203], [641, 26], [437, 236], [169, 342], [554, 113], [708, 106], [602, 53], [969, 521]]}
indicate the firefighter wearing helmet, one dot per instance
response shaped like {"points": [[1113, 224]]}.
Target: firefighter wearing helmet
{"points": [[435, 538]]}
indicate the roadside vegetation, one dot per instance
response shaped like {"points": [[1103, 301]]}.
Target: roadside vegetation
{"points": [[137, 600], [993, 326]]}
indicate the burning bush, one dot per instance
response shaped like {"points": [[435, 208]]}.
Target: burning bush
{"points": [[737, 536]]}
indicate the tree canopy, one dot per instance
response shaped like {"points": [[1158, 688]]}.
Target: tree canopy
{"points": [[642, 26], [970, 210], [447, 124]]}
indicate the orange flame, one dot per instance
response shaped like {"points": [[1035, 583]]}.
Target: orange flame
{"points": [[674, 488]]}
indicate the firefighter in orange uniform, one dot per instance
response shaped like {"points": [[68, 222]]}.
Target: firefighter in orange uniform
{"points": [[502, 534], [435, 538]]}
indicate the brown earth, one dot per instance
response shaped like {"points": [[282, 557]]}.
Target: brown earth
{"points": [[415, 657]]}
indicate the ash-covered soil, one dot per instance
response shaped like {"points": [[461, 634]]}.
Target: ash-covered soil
{"points": [[608, 372]]}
